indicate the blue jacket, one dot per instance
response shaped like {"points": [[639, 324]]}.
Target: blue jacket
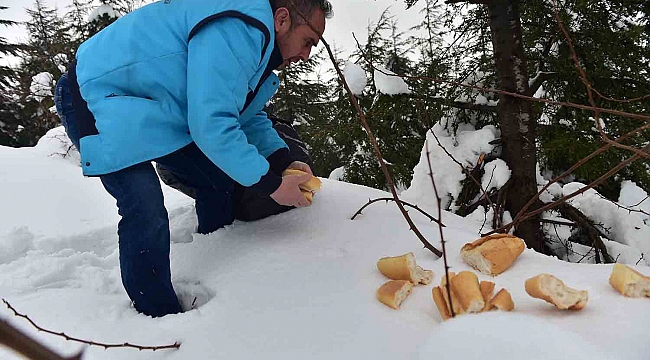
{"points": [[178, 71]]}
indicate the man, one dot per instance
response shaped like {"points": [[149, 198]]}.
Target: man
{"points": [[182, 83], [249, 204]]}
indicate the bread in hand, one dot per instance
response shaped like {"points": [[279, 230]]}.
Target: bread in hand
{"points": [[311, 185], [492, 254], [394, 292], [308, 195], [404, 268], [629, 282], [551, 289], [502, 301]]}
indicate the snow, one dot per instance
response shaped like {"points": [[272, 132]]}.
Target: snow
{"points": [[624, 228], [103, 9], [481, 100], [338, 174], [497, 173], [636, 198], [355, 76], [389, 85], [41, 86], [466, 147], [299, 285]]}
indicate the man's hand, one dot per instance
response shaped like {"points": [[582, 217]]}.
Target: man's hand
{"points": [[299, 165], [288, 193]]}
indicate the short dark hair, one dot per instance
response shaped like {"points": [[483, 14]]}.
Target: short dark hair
{"points": [[305, 7]]}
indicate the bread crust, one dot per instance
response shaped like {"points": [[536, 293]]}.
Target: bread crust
{"points": [[394, 292], [404, 267], [629, 282], [487, 290], [502, 301], [455, 301], [548, 288], [492, 254], [465, 285], [441, 304]]}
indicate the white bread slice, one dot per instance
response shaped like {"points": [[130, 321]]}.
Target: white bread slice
{"points": [[502, 301], [404, 268], [465, 285], [629, 282], [551, 289], [394, 292], [492, 254]]}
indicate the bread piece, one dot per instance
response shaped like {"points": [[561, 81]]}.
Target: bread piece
{"points": [[394, 292], [466, 286], [441, 304], [404, 268], [458, 307], [551, 289], [308, 195], [312, 185], [502, 301], [487, 290], [492, 254], [629, 282]]}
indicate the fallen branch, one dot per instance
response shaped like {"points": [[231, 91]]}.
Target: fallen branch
{"points": [[594, 233], [175, 345], [387, 199]]}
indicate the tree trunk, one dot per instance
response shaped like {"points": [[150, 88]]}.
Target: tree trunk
{"points": [[516, 117]]}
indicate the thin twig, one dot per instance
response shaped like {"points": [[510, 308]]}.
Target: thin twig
{"points": [[371, 137], [387, 199], [637, 263], [175, 345], [442, 237]]}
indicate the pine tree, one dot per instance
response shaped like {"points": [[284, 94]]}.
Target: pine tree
{"points": [[302, 99], [8, 107], [43, 60]]}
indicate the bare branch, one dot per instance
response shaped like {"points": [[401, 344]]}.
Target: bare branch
{"points": [[175, 345], [387, 199], [456, 104], [442, 237]]}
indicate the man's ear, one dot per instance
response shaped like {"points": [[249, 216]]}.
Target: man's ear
{"points": [[282, 21]]}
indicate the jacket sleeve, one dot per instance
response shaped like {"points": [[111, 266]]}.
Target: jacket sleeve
{"points": [[222, 57], [260, 132]]}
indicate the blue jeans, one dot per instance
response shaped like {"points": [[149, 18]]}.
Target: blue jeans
{"points": [[144, 228]]}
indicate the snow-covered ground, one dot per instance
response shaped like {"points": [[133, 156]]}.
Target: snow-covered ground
{"points": [[300, 285]]}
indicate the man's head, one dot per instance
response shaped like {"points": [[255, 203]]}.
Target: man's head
{"points": [[294, 36]]}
